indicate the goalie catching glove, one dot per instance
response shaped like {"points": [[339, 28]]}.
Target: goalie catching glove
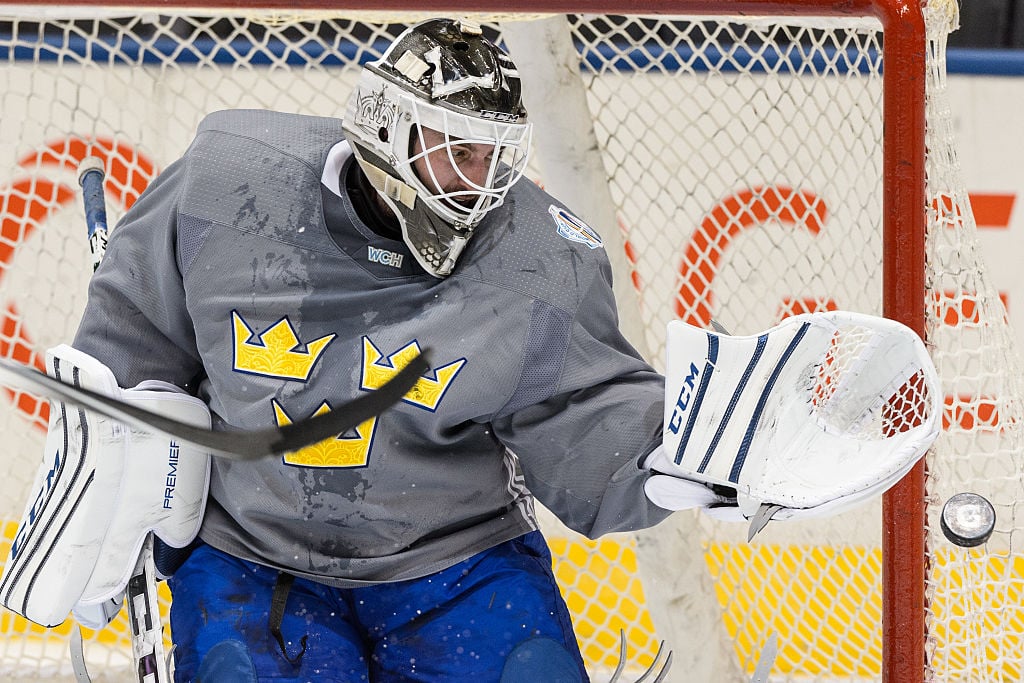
{"points": [[812, 417], [102, 487]]}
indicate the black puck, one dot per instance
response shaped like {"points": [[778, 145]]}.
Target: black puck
{"points": [[967, 519]]}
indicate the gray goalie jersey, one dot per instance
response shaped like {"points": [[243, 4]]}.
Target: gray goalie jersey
{"points": [[245, 272]]}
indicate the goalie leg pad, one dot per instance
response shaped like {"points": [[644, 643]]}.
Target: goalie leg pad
{"points": [[101, 489], [819, 413]]}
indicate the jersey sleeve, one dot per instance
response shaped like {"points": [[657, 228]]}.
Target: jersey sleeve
{"points": [[586, 411], [136, 320]]}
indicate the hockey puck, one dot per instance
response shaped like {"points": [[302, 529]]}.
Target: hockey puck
{"points": [[967, 519]]}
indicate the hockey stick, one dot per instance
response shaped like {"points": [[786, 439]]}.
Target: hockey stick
{"points": [[233, 445], [147, 633], [90, 177]]}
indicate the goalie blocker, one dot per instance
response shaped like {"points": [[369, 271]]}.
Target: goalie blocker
{"points": [[101, 488], [812, 417]]}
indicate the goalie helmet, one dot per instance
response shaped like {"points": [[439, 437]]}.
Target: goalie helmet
{"points": [[441, 89]]}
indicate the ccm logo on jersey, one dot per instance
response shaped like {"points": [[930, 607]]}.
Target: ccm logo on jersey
{"points": [[683, 400], [385, 257]]}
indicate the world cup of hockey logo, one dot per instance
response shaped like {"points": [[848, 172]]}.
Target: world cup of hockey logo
{"points": [[573, 229], [375, 111]]}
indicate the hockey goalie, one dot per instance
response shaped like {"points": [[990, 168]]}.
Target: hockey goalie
{"points": [[290, 262]]}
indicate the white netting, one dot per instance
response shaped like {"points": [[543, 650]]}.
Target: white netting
{"points": [[976, 618], [742, 161]]}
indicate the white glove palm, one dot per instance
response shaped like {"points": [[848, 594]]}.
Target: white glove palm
{"points": [[813, 416]]}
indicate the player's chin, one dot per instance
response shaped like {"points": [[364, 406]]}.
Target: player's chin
{"points": [[463, 207], [464, 203]]}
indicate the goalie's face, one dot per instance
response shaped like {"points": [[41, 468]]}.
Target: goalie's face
{"points": [[463, 167], [454, 171]]}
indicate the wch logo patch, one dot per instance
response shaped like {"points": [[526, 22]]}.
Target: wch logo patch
{"points": [[385, 257]]}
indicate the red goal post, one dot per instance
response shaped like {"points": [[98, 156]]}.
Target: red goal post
{"points": [[666, 125]]}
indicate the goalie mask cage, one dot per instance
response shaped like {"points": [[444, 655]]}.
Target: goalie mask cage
{"points": [[743, 161]]}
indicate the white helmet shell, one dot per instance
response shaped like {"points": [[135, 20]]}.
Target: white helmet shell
{"points": [[445, 77]]}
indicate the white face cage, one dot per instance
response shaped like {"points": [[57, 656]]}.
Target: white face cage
{"points": [[470, 163], [384, 116]]}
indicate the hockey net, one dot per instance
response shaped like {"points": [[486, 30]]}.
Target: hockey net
{"points": [[734, 166]]}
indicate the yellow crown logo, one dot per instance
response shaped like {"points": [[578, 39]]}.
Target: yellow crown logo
{"points": [[342, 451], [275, 352], [426, 393]]}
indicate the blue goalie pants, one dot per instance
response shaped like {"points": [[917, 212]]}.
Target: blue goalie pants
{"points": [[497, 616]]}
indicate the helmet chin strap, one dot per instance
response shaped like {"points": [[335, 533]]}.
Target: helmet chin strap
{"points": [[388, 185]]}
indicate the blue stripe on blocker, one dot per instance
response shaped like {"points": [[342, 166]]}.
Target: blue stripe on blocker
{"points": [[762, 342], [709, 366], [741, 456]]}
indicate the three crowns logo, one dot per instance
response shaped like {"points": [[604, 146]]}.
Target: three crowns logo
{"points": [[426, 393], [276, 352], [346, 450]]}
